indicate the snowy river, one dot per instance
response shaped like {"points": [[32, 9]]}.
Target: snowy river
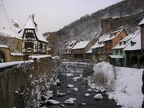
{"points": [[73, 92]]}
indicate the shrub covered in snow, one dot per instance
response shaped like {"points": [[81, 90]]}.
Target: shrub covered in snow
{"points": [[104, 75]]}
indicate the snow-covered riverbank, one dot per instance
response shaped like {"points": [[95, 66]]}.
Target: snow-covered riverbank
{"points": [[125, 84]]}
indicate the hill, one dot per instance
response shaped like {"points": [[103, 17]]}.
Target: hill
{"points": [[126, 14]]}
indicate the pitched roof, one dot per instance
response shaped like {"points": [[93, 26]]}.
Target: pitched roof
{"points": [[106, 37], [98, 44], [81, 44], [6, 26], [71, 44], [142, 22], [30, 24], [122, 45], [135, 43]]}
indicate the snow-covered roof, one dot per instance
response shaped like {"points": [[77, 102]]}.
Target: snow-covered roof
{"points": [[81, 44], [135, 43], [30, 24], [6, 26], [71, 44], [142, 22], [106, 37], [122, 45], [116, 56], [98, 44]]}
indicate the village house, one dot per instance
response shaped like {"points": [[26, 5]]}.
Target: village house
{"points": [[33, 42], [78, 52], [103, 47], [118, 57], [135, 49], [10, 41], [67, 50]]}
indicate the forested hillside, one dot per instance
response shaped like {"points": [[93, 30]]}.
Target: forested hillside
{"points": [[126, 14]]}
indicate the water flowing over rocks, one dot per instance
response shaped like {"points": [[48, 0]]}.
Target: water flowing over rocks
{"points": [[78, 94]]}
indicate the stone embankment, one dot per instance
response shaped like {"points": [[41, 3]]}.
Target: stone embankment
{"points": [[22, 85]]}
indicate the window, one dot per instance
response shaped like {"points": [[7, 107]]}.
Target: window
{"points": [[121, 51], [29, 45], [120, 43], [29, 35], [116, 51], [41, 45], [124, 42]]}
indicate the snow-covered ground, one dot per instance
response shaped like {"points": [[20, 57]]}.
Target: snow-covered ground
{"points": [[127, 83]]}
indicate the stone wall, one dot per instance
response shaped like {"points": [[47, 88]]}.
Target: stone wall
{"points": [[20, 85]]}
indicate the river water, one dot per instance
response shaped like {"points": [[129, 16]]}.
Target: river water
{"points": [[89, 102]]}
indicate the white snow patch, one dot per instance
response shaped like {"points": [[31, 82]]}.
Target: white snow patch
{"points": [[75, 89], [87, 94], [69, 74], [98, 96], [70, 101], [54, 102], [70, 85], [126, 82]]}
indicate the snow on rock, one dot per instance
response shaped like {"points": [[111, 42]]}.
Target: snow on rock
{"points": [[70, 101], [83, 104], [76, 78], [60, 94], [69, 74], [68, 92], [89, 90], [54, 102], [87, 94], [75, 89], [98, 96], [56, 82], [70, 85]]}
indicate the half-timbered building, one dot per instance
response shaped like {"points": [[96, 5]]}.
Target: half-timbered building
{"points": [[33, 41]]}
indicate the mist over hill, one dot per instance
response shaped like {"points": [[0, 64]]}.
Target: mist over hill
{"points": [[126, 14]]}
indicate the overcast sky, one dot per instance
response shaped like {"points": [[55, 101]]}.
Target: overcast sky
{"points": [[52, 15]]}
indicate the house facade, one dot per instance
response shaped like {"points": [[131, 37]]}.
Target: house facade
{"points": [[98, 50], [135, 49], [118, 57], [33, 43], [79, 50], [67, 50], [103, 47]]}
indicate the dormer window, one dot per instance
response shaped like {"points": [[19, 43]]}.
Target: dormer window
{"points": [[133, 43], [120, 43], [124, 42], [99, 43]]}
